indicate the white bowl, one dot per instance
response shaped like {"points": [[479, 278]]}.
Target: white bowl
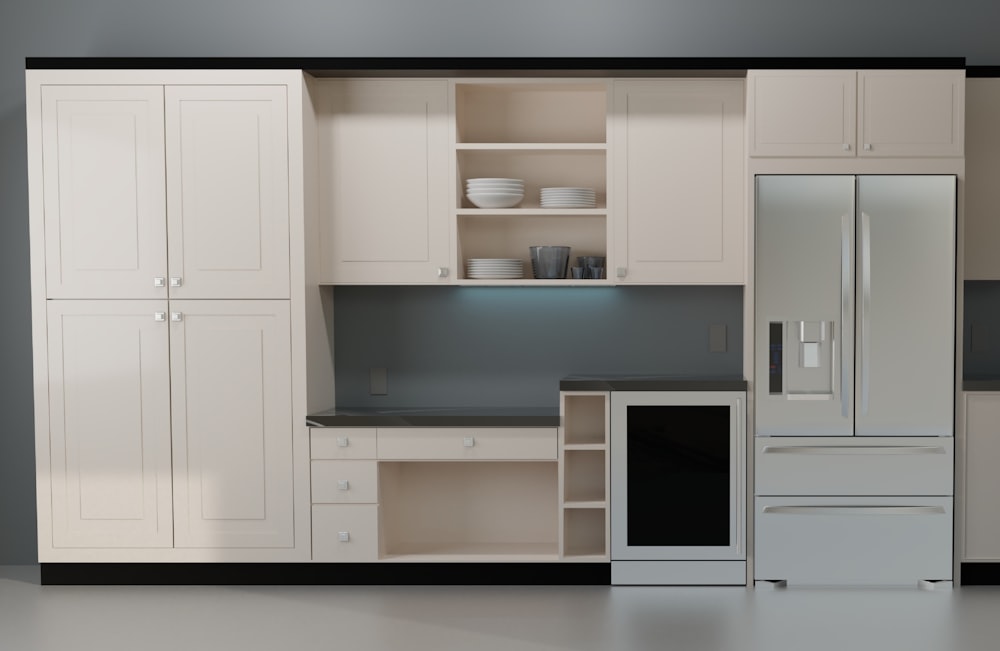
{"points": [[495, 180], [495, 199]]}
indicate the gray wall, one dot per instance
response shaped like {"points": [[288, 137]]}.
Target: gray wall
{"points": [[450, 28]]}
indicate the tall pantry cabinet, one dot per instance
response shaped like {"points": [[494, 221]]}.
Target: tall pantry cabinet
{"points": [[162, 299]]}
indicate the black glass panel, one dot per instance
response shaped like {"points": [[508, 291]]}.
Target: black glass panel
{"points": [[775, 351], [678, 475]]}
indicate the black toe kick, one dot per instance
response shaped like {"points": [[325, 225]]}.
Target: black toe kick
{"points": [[326, 573], [980, 574]]}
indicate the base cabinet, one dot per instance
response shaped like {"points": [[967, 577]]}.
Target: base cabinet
{"points": [[345, 533], [982, 482]]}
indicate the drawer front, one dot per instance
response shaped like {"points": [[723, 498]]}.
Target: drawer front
{"points": [[853, 540], [357, 523], [853, 466], [474, 444], [342, 442], [344, 482]]}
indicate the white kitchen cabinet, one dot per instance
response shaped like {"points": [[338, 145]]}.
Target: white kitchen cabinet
{"points": [[220, 199], [982, 482], [982, 168], [227, 191], [584, 475], [232, 423], [383, 165], [104, 191], [109, 407], [679, 182], [847, 113]]}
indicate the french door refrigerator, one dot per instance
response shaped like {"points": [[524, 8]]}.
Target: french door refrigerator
{"points": [[854, 378]]}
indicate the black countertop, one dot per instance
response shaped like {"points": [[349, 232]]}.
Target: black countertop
{"points": [[652, 383], [981, 384]]}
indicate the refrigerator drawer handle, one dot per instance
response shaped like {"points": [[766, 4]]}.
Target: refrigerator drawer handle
{"points": [[855, 510], [853, 449]]}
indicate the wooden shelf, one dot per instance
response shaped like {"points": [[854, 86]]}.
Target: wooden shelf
{"points": [[585, 446], [531, 210], [535, 282], [585, 504], [532, 146], [472, 552]]}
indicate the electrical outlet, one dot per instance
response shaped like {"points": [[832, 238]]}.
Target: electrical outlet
{"points": [[378, 381]]}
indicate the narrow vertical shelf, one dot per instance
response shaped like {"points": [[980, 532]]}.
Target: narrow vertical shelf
{"points": [[584, 475]]}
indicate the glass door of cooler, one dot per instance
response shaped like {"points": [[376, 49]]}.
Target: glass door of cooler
{"points": [[677, 478]]}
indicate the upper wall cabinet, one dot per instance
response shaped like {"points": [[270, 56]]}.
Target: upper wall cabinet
{"points": [[679, 182], [111, 203], [982, 168], [846, 113], [383, 169]]}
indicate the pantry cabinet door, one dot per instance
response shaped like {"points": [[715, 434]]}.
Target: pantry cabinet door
{"points": [[232, 423], [679, 182], [384, 180], [109, 424], [104, 206], [227, 184]]}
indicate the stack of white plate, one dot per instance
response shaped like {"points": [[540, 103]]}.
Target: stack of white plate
{"points": [[494, 268], [494, 193], [568, 198]]}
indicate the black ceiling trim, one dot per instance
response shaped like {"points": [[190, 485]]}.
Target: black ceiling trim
{"points": [[490, 63], [982, 71]]}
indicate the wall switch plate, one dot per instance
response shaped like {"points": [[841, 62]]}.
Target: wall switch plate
{"points": [[717, 338], [378, 381]]}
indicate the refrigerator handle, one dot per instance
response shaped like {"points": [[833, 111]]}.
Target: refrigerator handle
{"points": [[866, 305], [845, 308]]}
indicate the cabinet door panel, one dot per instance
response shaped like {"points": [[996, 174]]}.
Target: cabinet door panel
{"points": [[232, 427], [982, 482], [384, 162], [679, 181], [227, 168], [109, 415], [982, 168], [105, 234], [911, 112]]}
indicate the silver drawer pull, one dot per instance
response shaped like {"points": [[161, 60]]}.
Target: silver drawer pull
{"points": [[343, 441], [343, 485], [853, 449], [344, 536], [855, 510], [469, 441]]}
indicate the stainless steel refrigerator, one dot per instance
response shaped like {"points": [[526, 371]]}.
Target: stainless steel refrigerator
{"points": [[854, 377]]}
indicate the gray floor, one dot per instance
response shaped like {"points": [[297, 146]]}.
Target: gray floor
{"points": [[441, 618]]}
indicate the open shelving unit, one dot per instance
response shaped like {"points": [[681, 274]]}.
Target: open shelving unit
{"points": [[584, 475], [549, 133]]}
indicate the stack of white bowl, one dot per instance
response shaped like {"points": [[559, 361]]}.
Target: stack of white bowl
{"points": [[568, 198], [494, 192], [494, 268]]}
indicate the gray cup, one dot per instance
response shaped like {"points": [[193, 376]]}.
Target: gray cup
{"points": [[577, 272], [549, 261], [595, 272]]}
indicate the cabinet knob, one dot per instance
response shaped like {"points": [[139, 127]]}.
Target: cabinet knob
{"points": [[621, 272], [343, 485], [343, 441], [868, 146], [469, 441], [159, 316], [344, 536], [175, 281], [159, 281], [176, 317], [847, 147], [442, 272]]}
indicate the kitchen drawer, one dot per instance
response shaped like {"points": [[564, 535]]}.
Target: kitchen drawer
{"points": [[854, 466], [342, 442], [345, 533], [344, 482], [465, 443], [853, 540]]}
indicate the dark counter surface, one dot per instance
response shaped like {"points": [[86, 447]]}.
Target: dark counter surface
{"points": [[437, 417], [652, 383], [981, 384]]}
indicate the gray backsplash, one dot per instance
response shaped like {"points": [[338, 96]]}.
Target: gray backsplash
{"points": [[509, 346], [982, 329]]}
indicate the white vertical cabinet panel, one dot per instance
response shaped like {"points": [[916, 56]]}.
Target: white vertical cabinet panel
{"points": [[911, 112], [109, 415], [227, 202], [103, 179], [679, 199], [982, 482], [982, 168], [384, 165], [232, 423]]}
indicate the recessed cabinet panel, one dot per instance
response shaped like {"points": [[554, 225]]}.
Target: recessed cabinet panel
{"points": [[232, 424], [679, 181], [911, 112], [227, 166], [109, 424], [982, 168], [383, 170], [104, 202], [982, 482]]}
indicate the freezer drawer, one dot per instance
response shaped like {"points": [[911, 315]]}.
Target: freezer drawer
{"points": [[854, 466], [853, 540]]}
